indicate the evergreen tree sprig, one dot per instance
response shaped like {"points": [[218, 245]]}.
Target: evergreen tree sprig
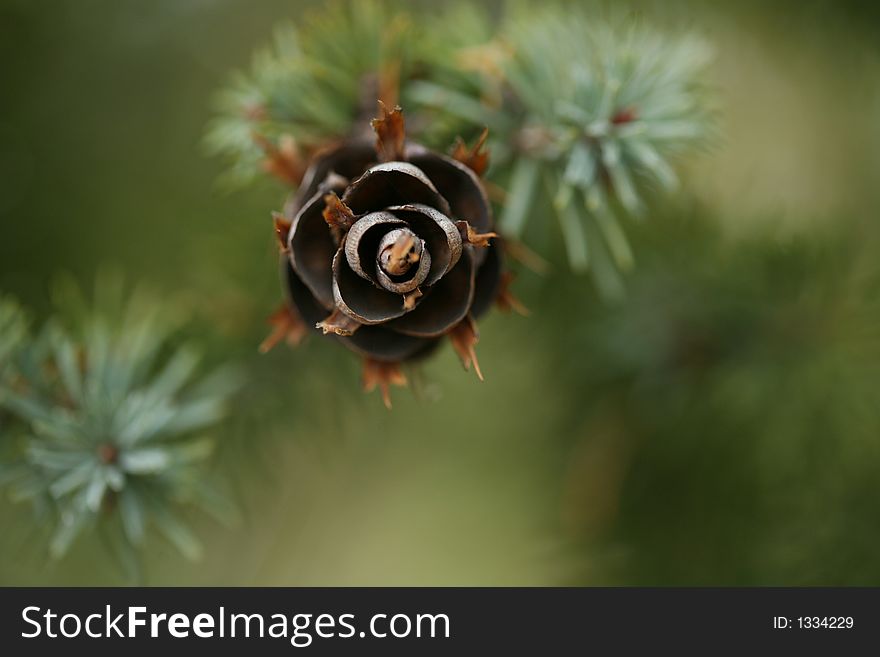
{"points": [[589, 120], [317, 80], [587, 116], [111, 422]]}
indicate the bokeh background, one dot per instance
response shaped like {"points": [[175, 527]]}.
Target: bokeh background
{"points": [[720, 425]]}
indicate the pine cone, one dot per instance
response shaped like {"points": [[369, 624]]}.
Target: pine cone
{"points": [[387, 249]]}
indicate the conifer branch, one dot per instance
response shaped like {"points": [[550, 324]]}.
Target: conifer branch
{"points": [[105, 425], [586, 117]]}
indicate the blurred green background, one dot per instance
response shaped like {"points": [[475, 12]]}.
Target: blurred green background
{"points": [[719, 426]]}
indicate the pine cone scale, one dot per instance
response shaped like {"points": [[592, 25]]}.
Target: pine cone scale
{"points": [[487, 285], [385, 345], [362, 242], [361, 299], [458, 184], [393, 183], [311, 248], [300, 296], [348, 160], [445, 305]]}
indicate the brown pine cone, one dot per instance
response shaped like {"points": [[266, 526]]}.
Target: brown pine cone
{"points": [[388, 248]]}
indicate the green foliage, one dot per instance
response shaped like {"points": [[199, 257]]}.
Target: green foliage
{"points": [[13, 333], [316, 80], [588, 120], [740, 383], [585, 117], [111, 425]]}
